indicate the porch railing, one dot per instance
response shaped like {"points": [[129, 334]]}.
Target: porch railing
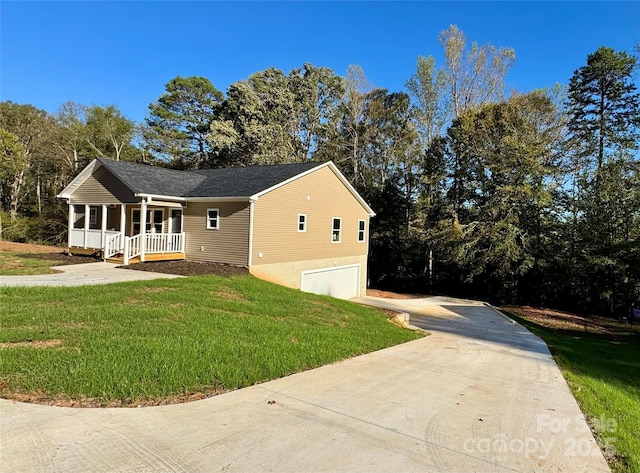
{"points": [[164, 242], [131, 248], [115, 243], [89, 238]]}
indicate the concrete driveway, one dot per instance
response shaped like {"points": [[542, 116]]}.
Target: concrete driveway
{"points": [[481, 394], [82, 275]]}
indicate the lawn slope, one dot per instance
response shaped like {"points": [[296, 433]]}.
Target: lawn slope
{"points": [[160, 341]]}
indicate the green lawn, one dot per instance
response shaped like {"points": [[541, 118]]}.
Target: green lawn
{"points": [[141, 342], [13, 263], [603, 372]]}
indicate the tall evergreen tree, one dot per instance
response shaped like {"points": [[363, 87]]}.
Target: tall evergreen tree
{"points": [[179, 122], [604, 135]]}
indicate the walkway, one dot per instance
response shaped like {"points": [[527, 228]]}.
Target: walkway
{"points": [[82, 275]]}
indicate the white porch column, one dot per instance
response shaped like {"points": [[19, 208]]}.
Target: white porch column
{"points": [[86, 224], [72, 219], [104, 230], [143, 228], [123, 223]]}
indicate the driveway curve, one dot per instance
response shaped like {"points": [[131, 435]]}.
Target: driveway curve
{"points": [[480, 394], [83, 275]]}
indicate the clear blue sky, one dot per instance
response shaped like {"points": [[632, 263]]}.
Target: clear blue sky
{"points": [[123, 53]]}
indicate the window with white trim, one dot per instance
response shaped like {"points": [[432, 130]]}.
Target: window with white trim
{"points": [[213, 219], [302, 223], [361, 231], [336, 230], [93, 215], [155, 220]]}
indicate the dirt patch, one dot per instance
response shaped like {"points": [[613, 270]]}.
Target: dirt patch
{"points": [[559, 320], [29, 248], [393, 295], [189, 268], [230, 295], [33, 344], [57, 255]]}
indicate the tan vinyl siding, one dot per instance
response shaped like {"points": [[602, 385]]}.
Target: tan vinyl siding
{"points": [[229, 244], [321, 196], [103, 188]]}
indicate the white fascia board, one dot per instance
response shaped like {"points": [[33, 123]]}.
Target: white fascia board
{"points": [[77, 181], [151, 197]]}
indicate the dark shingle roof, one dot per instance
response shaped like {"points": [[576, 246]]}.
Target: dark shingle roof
{"points": [[224, 182]]}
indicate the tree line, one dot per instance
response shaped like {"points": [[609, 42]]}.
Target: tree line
{"points": [[531, 197]]}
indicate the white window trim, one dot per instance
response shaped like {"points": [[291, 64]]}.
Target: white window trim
{"points": [[339, 240], [150, 219], [362, 232], [217, 211], [304, 223]]}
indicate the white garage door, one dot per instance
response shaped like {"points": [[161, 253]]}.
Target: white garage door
{"points": [[342, 282]]}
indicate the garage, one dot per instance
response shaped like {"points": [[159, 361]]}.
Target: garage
{"points": [[342, 282]]}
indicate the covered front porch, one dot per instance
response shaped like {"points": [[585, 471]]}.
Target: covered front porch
{"points": [[114, 231]]}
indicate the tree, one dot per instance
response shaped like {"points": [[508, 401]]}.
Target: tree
{"points": [[604, 108], [354, 103], [318, 92], [72, 135], [13, 162], [604, 133], [179, 122], [499, 158], [107, 132], [475, 76], [427, 90]]}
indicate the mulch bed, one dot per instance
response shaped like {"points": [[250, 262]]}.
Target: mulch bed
{"points": [[59, 259], [189, 268]]}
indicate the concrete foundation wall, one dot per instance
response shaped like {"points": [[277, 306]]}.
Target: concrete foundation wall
{"points": [[290, 273]]}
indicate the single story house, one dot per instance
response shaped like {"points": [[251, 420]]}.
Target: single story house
{"points": [[300, 225]]}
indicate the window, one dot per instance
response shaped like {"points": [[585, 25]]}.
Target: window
{"points": [[213, 219], [336, 230], [155, 220], [361, 231], [93, 215], [302, 222]]}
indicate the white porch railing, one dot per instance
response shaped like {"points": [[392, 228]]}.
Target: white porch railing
{"points": [[115, 243], [154, 243], [82, 238], [131, 248], [164, 242]]}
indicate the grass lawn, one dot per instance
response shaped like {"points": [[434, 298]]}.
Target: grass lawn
{"points": [[602, 368], [159, 341], [14, 263]]}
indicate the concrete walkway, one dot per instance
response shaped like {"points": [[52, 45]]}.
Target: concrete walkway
{"points": [[480, 394], [82, 275]]}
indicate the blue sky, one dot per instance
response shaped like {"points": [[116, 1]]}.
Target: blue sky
{"points": [[123, 53]]}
